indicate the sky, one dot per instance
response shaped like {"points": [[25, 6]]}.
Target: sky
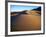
{"points": [[14, 8]]}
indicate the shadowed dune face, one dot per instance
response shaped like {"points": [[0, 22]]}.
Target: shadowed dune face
{"points": [[27, 22]]}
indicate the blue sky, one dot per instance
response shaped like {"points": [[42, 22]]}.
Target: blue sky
{"points": [[18, 8]]}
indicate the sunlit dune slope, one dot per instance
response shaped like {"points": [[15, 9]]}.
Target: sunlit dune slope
{"points": [[27, 22]]}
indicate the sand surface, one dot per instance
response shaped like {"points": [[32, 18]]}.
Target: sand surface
{"points": [[27, 22]]}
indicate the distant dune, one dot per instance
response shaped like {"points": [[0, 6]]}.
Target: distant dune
{"points": [[26, 12]]}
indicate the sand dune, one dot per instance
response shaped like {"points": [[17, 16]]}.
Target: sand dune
{"points": [[26, 22]]}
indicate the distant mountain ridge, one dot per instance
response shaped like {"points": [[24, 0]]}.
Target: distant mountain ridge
{"points": [[38, 9]]}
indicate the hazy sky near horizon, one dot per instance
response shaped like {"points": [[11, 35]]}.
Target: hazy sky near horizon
{"points": [[21, 8]]}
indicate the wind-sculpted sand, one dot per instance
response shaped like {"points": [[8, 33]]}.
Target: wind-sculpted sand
{"points": [[28, 22]]}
